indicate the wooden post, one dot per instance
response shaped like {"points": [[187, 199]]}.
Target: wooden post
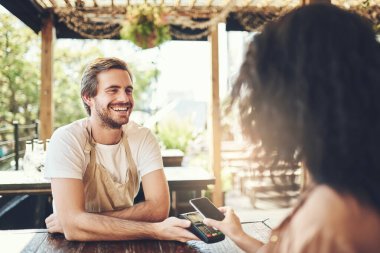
{"points": [[16, 137], [46, 90], [214, 120]]}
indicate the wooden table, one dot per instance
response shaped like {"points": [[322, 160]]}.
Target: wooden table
{"points": [[172, 157], [38, 240], [17, 182], [183, 180], [179, 178]]}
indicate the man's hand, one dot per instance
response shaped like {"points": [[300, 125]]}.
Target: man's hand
{"points": [[53, 225], [174, 229]]}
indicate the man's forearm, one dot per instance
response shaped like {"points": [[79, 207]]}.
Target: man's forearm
{"points": [[95, 227], [149, 211]]}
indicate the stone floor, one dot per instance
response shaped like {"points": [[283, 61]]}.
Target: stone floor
{"points": [[264, 210]]}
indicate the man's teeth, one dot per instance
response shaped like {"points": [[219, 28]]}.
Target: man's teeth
{"points": [[120, 108]]}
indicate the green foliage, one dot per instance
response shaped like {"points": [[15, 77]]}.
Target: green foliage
{"points": [[226, 180], [68, 69], [175, 133], [146, 26], [69, 66], [142, 90], [19, 72], [20, 75]]}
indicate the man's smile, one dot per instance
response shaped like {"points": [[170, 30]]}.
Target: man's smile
{"points": [[120, 108]]}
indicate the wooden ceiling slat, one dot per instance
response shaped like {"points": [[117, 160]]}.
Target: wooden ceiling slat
{"points": [[192, 3], [247, 2], [68, 4], [42, 4], [53, 3]]}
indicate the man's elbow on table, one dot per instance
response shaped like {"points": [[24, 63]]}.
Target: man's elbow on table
{"points": [[72, 229], [161, 215], [70, 236], [72, 233], [160, 212]]}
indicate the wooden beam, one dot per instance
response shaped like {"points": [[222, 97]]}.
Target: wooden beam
{"points": [[46, 89], [214, 120], [246, 3], [53, 3], [306, 2], [79, 3], [68, 4]]}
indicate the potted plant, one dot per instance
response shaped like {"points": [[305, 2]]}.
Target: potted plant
{"points": [[146, 26]]}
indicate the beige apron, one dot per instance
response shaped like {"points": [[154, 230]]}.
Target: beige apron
{"points": [[102, 192]]}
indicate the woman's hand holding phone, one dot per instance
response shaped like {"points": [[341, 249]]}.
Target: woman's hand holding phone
{"points": [[206, 208], [230, 225], [232, 228], [223, 218]]}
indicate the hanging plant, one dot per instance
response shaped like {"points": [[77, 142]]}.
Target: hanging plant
{"points": [[146, 26]]}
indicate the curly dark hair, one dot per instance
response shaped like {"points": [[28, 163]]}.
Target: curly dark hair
{"points": [[310, 85]]}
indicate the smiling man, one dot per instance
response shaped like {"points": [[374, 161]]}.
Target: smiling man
{"points": [[96, 165]]}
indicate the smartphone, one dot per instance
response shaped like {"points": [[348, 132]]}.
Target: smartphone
{"points": [[205, 207]]}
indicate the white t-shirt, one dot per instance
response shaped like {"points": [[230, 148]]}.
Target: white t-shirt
{"points": [[67, 156]]}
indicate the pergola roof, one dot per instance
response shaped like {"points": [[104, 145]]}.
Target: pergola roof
{"points": [[188, 19]]}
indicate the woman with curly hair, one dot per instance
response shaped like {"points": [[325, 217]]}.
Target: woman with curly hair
{"points": [[309, 91]]}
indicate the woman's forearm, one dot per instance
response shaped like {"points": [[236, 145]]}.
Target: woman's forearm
{"points": [[248, 243]]}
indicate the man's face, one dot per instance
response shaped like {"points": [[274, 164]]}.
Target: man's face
{"points": [[113, 102]]}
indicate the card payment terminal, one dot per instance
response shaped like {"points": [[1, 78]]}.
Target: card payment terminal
{"points": [[203, 232]]}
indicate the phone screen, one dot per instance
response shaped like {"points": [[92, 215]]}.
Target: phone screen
{"points": [[207, 208]]}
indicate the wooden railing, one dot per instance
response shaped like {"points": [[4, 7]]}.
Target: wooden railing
{"points": [[12, 142]]}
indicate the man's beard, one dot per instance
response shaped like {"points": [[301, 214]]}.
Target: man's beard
{"points": [[106, 119]]}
